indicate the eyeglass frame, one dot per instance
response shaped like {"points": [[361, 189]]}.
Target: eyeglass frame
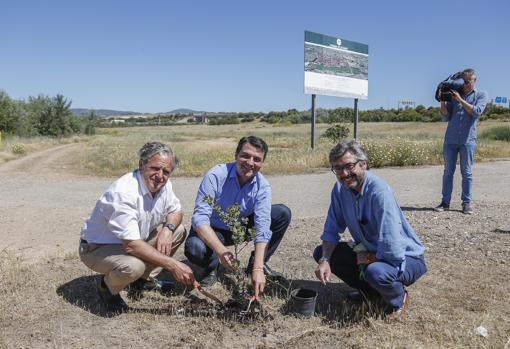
{"points": [[347, 167]]}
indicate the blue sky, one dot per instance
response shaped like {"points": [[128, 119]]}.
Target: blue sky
{"points": [[156, 56]]}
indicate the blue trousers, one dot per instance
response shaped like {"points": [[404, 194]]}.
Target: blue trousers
{"points": [[467, 154], [381, 279], [200, 254]]}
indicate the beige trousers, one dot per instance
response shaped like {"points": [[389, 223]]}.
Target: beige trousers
{"points": [[121, 269]]}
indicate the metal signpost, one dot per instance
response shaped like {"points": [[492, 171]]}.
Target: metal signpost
{"points": [[335, 67]]}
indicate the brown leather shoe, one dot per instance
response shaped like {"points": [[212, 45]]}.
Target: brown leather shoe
{"points": [[395, 315]]}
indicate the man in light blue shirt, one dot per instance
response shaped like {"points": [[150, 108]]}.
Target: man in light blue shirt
{"points": [[386, 254], [240, 183], [462, 114]]}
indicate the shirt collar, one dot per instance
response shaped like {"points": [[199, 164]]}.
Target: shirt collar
{"points": [[141, 183], [232, 173]]}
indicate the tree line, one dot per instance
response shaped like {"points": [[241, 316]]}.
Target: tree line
{"points": [[52, 116]]}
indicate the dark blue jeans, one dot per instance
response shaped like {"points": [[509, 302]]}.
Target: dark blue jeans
{"points": [[381, 278], [200, 254]]}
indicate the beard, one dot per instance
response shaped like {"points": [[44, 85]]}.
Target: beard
{"points": [[353, 181]]}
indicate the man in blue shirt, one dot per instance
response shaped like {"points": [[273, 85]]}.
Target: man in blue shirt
{"points": [[462, 114], [240, 183], [386, 254]]}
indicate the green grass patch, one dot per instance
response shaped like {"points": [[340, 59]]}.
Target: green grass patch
{"points": [[499, 133]]}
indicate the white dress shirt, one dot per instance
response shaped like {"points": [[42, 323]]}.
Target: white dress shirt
{"points": [[127, 211]]}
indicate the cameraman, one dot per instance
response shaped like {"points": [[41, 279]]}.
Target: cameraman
{"points": [[462, 114]]}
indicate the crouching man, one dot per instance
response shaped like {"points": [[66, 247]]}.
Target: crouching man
{"points": [[239, 182], [121, 238], [386, 255]]}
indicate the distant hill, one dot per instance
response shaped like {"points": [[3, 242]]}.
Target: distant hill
{"points": [[80, 112], [184, 111]]}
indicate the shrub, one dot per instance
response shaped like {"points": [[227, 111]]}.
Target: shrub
{"points": [[500, 133], [336, 133], [18, 149]]}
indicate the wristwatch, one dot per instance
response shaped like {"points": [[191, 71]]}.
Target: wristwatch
{"points": [[323, 259], [170, 227]]}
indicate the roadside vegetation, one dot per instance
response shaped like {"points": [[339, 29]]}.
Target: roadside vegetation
{"points": [[392, 137]]}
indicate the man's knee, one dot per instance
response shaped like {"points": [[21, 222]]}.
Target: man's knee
{"points": [[281, 214], [380, 273], [195, 249], [317, 253]]}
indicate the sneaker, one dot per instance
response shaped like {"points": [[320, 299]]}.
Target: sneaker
{"points": [[113, 303], [466, 208], [443, 206], [210, 279], [394, 315]]}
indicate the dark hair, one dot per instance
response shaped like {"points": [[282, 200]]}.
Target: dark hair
{"points": [[351, 146], [156, 148], [254, 142]]}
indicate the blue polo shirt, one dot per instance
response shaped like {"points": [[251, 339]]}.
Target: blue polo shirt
{"points": [[462, 125], [221, 183], [374, 218]]}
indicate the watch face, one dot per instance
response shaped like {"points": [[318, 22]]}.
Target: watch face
{"points": [[170, 226]]}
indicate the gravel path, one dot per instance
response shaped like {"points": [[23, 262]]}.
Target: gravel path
{"points": [[42, 208]]}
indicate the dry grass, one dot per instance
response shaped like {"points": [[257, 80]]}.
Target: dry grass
{"points": [[113, 151], [54, 303], [200, 147]]}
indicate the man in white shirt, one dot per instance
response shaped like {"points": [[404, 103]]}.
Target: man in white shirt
{"points": [[121, 238]]}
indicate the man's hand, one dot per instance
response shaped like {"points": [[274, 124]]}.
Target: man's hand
{"points": [[258, 280], [456, 96], [183, 274], [226, 259], [323, 272], [164, 241]]}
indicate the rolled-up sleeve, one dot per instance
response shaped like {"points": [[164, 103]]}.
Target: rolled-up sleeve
{"points": [[480, 104], [335, 222], [262, 215], [121, 213], [202, 211]]}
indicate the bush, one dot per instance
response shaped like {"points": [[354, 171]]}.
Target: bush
{"points": [[500, 133], [18, 149], [336, 133]]}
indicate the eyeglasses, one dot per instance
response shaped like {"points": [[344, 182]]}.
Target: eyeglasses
{"points": [[347, 167]]}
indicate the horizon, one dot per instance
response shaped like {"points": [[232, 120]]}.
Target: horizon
{"points": [[234, 57]]}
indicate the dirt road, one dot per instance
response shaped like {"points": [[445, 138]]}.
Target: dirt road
{"points": [[42, 208]]}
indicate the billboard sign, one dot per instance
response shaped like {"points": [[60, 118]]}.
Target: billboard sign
{"points": [[335, 66], [501, 101]]}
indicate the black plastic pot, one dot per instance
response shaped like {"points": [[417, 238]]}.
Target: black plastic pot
{"points": [[302, 302]]}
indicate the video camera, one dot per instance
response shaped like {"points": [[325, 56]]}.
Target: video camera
{"points": [[453, 82]]}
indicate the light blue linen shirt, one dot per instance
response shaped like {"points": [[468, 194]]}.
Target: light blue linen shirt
{"points": [[461, 127], [374, 218], [254, 197]]}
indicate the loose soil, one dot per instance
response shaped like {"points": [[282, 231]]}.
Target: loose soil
{"points": [[48, 297]]}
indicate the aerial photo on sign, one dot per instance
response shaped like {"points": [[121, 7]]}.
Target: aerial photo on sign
{"points": [[335, 66]]}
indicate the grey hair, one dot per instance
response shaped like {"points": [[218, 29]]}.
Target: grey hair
{"points": [[468, 73], [156, 148], [351, 146]]}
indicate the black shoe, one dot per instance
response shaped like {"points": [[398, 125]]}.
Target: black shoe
{"points": [[210, 279], [136, 288], [466, 208], [355, 296], [113, 303], [443, 206]]}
